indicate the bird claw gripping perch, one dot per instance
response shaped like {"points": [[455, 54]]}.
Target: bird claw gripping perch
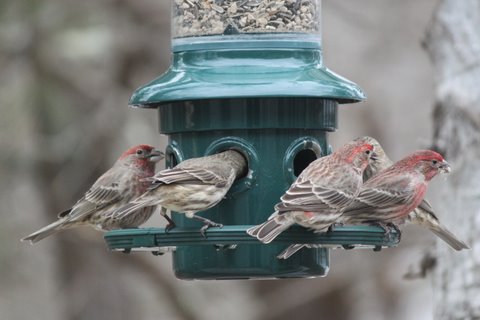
{"points": [[171, 225], [207, 223], [334, 226], [387, 228], [397, 230]]}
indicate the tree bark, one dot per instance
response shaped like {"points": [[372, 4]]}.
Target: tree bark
{"points": [[453, 43]]}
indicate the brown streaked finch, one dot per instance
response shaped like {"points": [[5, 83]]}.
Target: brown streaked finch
{"points": [[115, 188], [389, 196], [424, 214], [194, 185], [320, 193]]}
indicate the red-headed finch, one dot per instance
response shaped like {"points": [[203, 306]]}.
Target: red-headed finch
{"points": [[194, 185], [123, 182], [423, 215], [390, 195], [321, 192]]}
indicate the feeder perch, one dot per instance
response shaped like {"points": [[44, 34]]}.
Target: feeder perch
{"points": [[259, 87]]}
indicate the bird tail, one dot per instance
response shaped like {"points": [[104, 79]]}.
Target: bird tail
{"points": [[271, 228], [292, 249], [46, 231], [425, 217], [444, 234]]}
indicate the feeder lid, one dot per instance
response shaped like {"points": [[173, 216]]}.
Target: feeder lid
{"points": [[241, 70]]}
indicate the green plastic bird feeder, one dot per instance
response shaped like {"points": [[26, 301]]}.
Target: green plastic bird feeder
{"points": [[249, 76]]}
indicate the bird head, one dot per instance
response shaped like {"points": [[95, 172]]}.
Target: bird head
{"points": [[380, 162], [142, 156], [359, 153], [427, 162]]}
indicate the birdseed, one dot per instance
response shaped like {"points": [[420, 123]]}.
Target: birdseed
{"points": [[227, 17]]}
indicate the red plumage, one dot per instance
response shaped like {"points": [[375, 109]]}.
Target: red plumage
{"points": [[424, 214], [392, 194], [114, 189], [320, 193]]}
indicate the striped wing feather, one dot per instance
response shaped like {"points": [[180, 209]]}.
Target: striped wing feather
{"points": [[307, 197], [186, 175], [381, 196]]}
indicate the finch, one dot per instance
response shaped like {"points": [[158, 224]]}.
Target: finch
{"points": [[194, 185], [115, 188], [320, 193], [390, 195], [423, 215]]}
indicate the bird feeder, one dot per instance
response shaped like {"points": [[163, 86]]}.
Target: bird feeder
{"points": [[248, 76]]}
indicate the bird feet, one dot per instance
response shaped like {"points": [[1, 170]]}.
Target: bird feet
{"points": [[387, 228], [397, 230], [334, 226], [170, 226], [206, 224], [383, 226]]}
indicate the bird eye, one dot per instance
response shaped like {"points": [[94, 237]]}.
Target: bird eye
{"points": [[139, 152], [367, 152], [434, 162]]}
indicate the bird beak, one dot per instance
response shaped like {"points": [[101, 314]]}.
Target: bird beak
{"points": [[156, 155], [373, 156], [444, 167]]}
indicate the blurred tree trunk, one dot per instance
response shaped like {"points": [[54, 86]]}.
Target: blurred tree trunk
{"points": [[453, 43]]}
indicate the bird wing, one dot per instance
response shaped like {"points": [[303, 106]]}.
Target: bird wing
{"points": [[105, 191], [381, 195], [187, 175], [100, 195], [377, 197], [306, 196]]}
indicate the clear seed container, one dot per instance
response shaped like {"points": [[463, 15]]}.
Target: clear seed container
{"points": [[240, 19]]}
